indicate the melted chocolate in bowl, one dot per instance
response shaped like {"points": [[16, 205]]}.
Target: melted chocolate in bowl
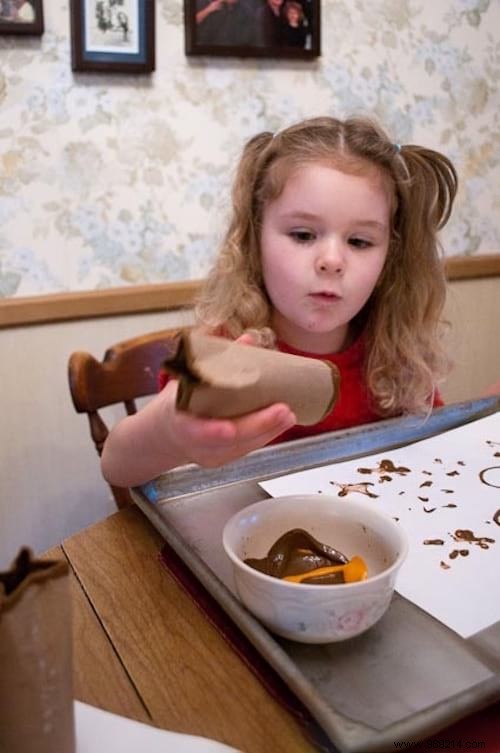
{"points": [[306, 524], [298, 557]]}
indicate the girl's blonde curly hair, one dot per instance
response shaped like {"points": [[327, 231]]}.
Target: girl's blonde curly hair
{"points": [[401, 322]]}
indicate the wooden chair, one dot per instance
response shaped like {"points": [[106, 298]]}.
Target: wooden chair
{"points": [[129, 370]]}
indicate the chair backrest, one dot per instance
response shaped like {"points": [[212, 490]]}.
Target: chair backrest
{"points": [[129, 370]]}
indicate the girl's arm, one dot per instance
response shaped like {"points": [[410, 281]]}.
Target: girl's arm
{"points": [[159, 438]]}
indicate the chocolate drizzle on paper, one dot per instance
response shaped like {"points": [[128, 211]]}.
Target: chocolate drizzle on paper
{"points": [[361, 488], [386, 466], [482, 476], [465, 534]]}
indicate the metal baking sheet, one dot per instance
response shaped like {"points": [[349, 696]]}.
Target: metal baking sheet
{"points": [[405, 678]]}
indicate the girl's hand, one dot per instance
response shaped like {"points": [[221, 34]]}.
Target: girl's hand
{"points": [[160, 437], [211, 442]]}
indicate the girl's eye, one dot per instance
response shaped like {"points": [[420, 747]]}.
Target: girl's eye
{"points": [[360, 243], [302, 236]]}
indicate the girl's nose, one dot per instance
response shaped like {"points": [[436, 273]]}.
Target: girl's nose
{"points": [[331, 258]]}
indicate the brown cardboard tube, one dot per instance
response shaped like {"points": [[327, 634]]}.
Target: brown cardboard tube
{"points": [[36, 678], [224, 379]]}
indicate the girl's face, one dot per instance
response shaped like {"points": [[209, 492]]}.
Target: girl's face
{"points": [[324, 242]]}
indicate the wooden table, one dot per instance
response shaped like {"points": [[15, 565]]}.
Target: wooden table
{"points": [[144, 649]]}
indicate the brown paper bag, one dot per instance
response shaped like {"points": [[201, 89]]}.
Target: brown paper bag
{"points": [[223, 378], [36, 694]]}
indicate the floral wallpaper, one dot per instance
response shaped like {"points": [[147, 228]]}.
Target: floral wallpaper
{"points": [[109, 180]]}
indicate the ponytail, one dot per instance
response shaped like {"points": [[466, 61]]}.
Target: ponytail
{"points": [[432, 186], [406, 355]]}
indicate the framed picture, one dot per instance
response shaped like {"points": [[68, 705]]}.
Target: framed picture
{"points": [[21, 17], [113, 35], [253, 28]]}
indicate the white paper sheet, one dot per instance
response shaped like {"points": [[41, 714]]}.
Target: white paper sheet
{"points": [[98, 731], [452, 484]]}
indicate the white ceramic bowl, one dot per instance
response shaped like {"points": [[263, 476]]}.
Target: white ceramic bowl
{"points": [[316, 613]]}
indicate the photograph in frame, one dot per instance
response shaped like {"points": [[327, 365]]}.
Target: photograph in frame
{"points": [[113, 35], [21, 17], [253, 28]]}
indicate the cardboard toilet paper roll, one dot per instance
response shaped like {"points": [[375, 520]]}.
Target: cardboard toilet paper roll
{"points": [[222, 378], [36, 678]]}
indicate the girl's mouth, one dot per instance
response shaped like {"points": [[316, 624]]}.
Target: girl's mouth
{"points": [[324, 296]]}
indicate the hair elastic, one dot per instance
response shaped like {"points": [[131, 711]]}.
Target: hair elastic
{"points": [[397, 147]]}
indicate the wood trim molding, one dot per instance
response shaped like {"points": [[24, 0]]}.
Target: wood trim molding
{"points": [[469, 267], [141, 299], [59, 307]]}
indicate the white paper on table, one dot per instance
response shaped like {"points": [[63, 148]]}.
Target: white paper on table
{"points": [[463, 593], [99, 731]]}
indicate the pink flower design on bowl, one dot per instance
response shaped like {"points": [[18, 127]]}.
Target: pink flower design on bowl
{"points": [[352, 621]]}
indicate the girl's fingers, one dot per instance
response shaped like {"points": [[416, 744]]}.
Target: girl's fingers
{"points": [[274, 419], [213, 442]]}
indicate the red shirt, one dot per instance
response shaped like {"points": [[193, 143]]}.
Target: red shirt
{"points": [[163, 377], [354, 406]]}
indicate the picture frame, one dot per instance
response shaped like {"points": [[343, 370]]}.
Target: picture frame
{"points": [[21, 17], [113, 36], [253, 28]]}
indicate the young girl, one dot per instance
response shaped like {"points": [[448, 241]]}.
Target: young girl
{"points": [[332, 253]]}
